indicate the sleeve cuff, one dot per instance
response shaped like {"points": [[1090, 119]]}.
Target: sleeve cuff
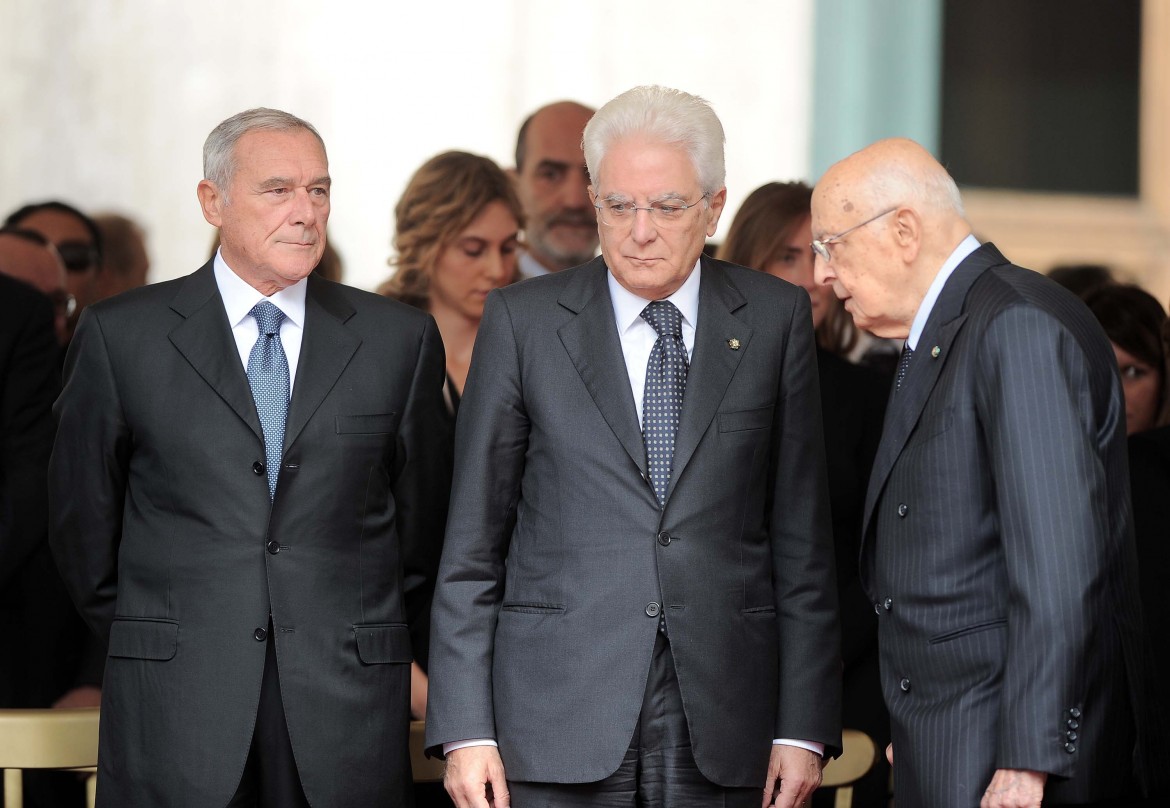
{"points": [[448, 748], [812, 746]]}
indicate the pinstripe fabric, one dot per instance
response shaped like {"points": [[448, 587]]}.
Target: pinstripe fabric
{"points": [[998, 547]]}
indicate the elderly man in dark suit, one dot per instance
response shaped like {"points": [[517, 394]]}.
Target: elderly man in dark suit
{"points": [[241, 464], [998, 549], [636, 602]]}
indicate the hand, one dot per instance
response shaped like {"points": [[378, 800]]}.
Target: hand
{"points": [[471, 772], [890, 753], [1014, 788], [84, 696], [798, 772], [418, 692]]}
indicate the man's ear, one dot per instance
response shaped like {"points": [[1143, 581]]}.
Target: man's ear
{"points": [[718, 200], [907, 227], [212, 201]]}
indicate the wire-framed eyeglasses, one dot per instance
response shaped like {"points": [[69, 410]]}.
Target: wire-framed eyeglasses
{"points": [[821, 246], [664, 213]]}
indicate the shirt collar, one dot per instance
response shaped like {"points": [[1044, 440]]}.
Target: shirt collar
{"points": [[239, 296], [627, 306], [965, 248]]}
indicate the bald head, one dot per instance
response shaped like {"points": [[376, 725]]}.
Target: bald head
{"points": [[28, 258], [889, 216], [552, 184]]}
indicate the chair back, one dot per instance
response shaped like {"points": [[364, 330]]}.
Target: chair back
{"points": [[856, 759], [46, 739]]}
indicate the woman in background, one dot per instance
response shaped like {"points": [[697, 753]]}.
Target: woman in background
{"points": [[772, 232], [1133, 320], [457, 231]]}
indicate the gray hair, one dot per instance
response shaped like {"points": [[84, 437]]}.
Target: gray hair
{"points": [[935, 190], [219, 150], [670, 116]]}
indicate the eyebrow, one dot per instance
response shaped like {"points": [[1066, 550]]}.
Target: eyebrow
{"points": [[669, 196], [560, 165], [283, 182]]}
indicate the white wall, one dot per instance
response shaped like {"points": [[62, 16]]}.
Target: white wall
{"points": [[106, 103]]}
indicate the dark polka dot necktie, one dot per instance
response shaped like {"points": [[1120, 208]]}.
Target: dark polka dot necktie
{"points": [[666, 377], [903, 364], [268, 376]]}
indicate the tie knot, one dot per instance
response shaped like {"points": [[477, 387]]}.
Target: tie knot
{"points": [[664, 317], [268, 317]]}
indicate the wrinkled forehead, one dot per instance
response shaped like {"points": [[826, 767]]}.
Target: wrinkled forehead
{"points": [[836, 203]]}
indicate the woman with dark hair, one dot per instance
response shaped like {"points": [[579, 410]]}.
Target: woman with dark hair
{"points": [[1133, 320], [772, 232]]}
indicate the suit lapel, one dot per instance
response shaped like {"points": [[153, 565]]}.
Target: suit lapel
{"points": [[906, 404], [592, 342], [205, 339], [713, 362], [326, 348]]}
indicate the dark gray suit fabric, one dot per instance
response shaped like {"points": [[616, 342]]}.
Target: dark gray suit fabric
{"points": [[998, 547], [164, 533], [543, 627]]}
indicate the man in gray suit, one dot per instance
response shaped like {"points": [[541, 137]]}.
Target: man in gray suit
{"points": [[997, 548], [636, 599], [242, 467]]}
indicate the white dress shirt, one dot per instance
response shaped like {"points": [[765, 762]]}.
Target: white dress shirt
{"points": [[239, 297], [965, 248], [637, 338]]}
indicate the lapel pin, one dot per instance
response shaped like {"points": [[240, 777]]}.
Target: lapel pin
{"points": [[733, 344], [935, 351]]}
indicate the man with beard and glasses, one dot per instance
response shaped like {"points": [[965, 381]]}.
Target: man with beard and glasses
{"points": [[551, 181]]}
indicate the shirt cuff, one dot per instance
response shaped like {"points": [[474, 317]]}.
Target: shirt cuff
{"points": [[812, 746], [448, 748]]}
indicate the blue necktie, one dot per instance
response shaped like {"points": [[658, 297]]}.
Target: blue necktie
{"points": [[666, 378], [268, 376], [904, 364]]}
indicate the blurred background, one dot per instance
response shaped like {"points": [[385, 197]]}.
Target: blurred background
{"points": [[1053, 117]]}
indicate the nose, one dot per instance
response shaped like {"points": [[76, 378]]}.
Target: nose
{"points": [[573, 192], [642, 229], [495, 266], [305, 209], [823, 274]]}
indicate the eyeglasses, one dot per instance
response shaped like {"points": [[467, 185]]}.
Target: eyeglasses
{"points": [[78, 256], [664, 214], [821, 246]]}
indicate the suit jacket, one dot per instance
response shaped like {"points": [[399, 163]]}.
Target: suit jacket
{"points": [[558, 558], [171, 547], [998, 547]]}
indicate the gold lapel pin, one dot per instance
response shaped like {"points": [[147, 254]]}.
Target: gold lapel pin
{"points": [[733, 344], [935, 351]]}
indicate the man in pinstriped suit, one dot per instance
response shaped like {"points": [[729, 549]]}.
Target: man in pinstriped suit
{"points": [[998, 547]]}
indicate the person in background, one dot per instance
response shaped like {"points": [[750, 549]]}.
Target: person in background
{"points": [[1081, 278], [29, 257], [772, 232], [456, 238], [77, 240], [125, 262], [551, 180], [1133, 320]]}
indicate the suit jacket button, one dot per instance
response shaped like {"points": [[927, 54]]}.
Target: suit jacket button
{"points": [[653, 609], [260, 634], [273, 547], [258, 468], [664, 538], [877, 608], [1075, 712], [903, 510], [1072, 736], [888, 604], [1074, 724], [1070, 747], [905, 685]]}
